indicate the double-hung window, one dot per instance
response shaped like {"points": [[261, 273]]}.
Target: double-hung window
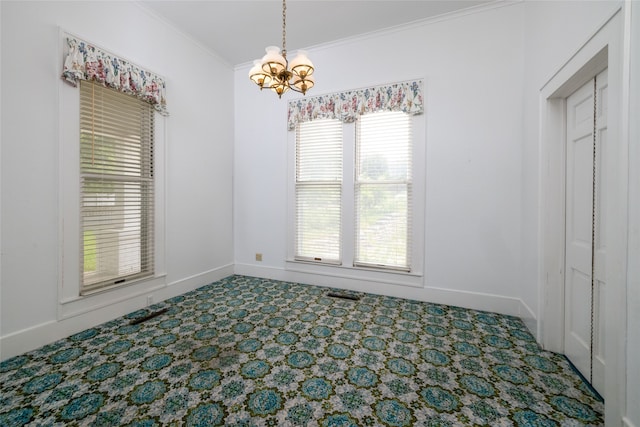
{"points": [[355, 200], [318, 190], [382, 191], [116, 188]]}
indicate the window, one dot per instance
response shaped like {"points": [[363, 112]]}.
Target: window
{"points": [[383, 190], [319, 191], [354, 201], [116, 186]]}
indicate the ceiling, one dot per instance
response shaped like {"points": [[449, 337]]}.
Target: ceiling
{"points": [[239, 30]]}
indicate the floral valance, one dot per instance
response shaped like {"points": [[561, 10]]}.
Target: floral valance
{"points": [[87, 62], [346, 106]]}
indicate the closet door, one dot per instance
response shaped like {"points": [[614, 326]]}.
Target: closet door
{"points": [[584, 241], [600, 238], [579, 199]]}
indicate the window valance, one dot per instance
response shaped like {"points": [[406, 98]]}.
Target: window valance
{"points": [[346, 106], [86, 62]]}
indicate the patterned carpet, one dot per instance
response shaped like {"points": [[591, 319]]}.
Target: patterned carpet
{"points": [[253, 352]]}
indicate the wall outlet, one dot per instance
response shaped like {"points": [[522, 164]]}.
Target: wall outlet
{"points": [[258, 257], [149, 300]]}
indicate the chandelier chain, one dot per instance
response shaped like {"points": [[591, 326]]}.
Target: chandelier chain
{"points": [[284, 28]]}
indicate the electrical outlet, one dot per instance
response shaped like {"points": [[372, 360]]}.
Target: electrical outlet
{"points": [[149, 300], [258, 257]]}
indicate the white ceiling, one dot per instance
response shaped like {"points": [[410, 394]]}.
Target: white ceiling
{"points": [[239, 30]]}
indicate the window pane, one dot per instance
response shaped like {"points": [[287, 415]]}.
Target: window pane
{"points": [[116, 166], [382, 212], [384, 147], [318, 190], [383, 190], [114, 217], [319, 151], [318, 222]]}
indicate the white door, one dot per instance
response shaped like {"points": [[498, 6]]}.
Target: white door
{"points": [[583, 297], [600, 241]]}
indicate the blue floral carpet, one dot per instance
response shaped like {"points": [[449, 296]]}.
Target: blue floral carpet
{"points": [[245, 351]]}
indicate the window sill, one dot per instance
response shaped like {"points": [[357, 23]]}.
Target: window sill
{"points": [[390, 277]]}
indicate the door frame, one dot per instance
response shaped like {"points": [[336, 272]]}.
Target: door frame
{"points": [[602, 50]]}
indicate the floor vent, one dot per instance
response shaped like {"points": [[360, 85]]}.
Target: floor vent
{"points": [[148, 316], [343, 296]]}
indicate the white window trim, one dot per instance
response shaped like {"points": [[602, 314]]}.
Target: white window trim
{"points": [[347, 270], [70, 303]]}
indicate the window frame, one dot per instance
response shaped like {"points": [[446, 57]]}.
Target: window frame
{"points": [[121, 175], [70, 301], [346, 269]]}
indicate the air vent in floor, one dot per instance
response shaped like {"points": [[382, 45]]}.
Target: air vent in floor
{"points": [[343, 296]]}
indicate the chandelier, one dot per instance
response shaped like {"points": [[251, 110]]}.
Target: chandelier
{"points": [[274, 72]]}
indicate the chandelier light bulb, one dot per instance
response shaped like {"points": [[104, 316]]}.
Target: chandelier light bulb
{"points": [[301, 65], [258, 76], [273, 62], [302, 85]]}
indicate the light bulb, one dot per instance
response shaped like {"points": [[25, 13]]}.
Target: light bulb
{"points": [[273, 62], [301, 65]]}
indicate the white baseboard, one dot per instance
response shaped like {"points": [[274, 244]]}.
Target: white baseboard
{"points": [[626, 422], [37, 336], [529, 318], [31, 338], [473, 300]]}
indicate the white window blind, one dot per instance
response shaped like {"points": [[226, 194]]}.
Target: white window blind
{"points": [[382, 189], [117, 191], [318, 190]]}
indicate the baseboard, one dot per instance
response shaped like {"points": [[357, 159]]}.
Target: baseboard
{"points": [[45, 333], [529, 318], [35, 337], [626, 422], [473, 300], [201, 279], [260, 271]]}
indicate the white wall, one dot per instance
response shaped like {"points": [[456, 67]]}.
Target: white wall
{"points": [[554, 31], [472, 66], [558, 37], [483, 74], [199, 139]]}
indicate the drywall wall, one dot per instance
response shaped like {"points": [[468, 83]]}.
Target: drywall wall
{"points": [[197, 165], [472, 66], [483, 73], [554, 32]]}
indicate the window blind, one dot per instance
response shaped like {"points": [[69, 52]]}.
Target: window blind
{"points": [[318, 191], [117, 191], [382, 189]]}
